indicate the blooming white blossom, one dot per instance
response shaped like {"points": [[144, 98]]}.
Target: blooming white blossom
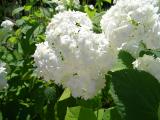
{"points": [[79, 67], [67, 24], [7, 24], [148, 64], [114, 1], [74, 56], [62, 4], [3, 82], [91, 7], [132, 21]]}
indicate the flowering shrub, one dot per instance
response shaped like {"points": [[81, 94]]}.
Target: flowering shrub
{"points": [[76, 60]]}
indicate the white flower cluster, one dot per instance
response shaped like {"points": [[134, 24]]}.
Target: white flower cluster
{"points": [[73, 55], [61, 4], [154, 2], [7, 24], [148, 64], [129, 23], [67, 24], [3, 82]]}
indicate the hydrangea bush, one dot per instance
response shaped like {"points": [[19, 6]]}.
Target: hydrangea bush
{"points": [[81, 60]]}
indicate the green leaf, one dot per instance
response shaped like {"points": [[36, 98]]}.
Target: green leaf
{"points": [[38, 30], [111, 114], [79, 113], [136, 94], [109, 1], [45, 12], [66, 94], [108, 114], [159, 112], [26, 28], [94, 103], [38, 13], [4, 34], [20, 22], [96, 22], [17, 10], [27, 7], [50, 93], [124, 61], [91, 13], [61, 107], [155, 53], [1, 117], [12, 40], [99, 114]]}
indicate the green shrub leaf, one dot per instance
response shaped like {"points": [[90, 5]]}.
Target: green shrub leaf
{"points": [[136, 94], [17, 10], [79, 113]]}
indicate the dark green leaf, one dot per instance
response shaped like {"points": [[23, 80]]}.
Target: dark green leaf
{"points": [[111, 114], [124, 61], [1, 117], [155, 53], [136, 94], [79, 113]]}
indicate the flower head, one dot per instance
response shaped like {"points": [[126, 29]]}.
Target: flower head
{"points": [[7, 24], [74, 56], [148, 64], [132, 21]]}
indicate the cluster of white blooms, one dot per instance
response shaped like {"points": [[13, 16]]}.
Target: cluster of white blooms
{"points": [[66, 25], [73, 55], [148, 64], [154, 2], [7, 24], [130, 23], [3, 82], [114, 1], [91, 7], [61, 4]]}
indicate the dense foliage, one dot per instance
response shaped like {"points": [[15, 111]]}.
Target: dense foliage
{"points": [[130, 85]]}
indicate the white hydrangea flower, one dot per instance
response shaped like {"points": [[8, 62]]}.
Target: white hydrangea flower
{"points": [[74, 56], [7, 24], [153, 2], [3, 82], [148, 64], [46, 61], [91, 7], [115, 1], [62, 4], [67, 23], [132, 21]]}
